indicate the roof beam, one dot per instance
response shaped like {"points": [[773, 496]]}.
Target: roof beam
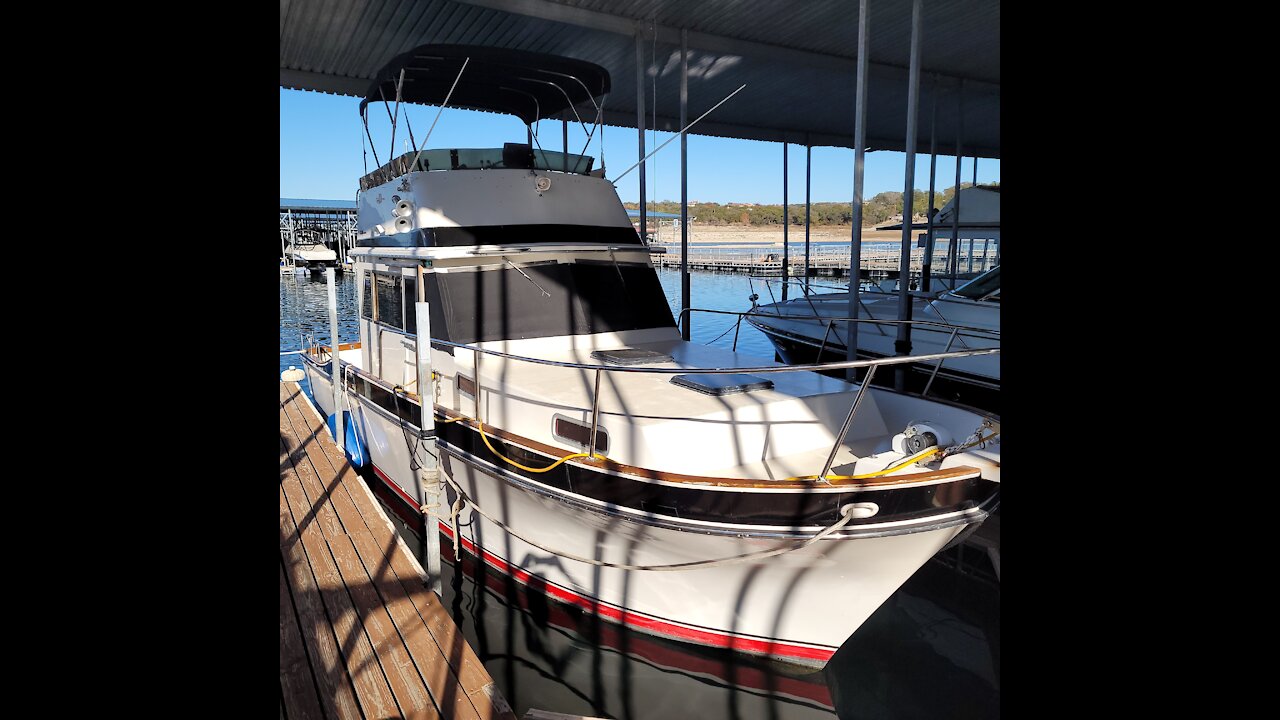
{"points": [[665, 123], [323, 82], [594, 20]]}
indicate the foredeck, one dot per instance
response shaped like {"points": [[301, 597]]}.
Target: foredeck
{"points": [[360, 634]]}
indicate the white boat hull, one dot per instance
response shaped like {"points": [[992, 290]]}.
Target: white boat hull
{"points": [[799, 606]]}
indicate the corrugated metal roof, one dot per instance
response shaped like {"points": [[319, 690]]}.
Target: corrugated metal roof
{"points": [[797, 58], [304, 204]]}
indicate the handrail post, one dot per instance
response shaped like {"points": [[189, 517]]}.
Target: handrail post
{"points": [[818, 359], [475, 370], [844, 429], [335, 379], [595, 414], [938, 366]]}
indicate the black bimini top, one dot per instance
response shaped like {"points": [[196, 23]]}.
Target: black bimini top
{"points": [[529, 85]]}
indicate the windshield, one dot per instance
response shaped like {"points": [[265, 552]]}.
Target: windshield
{"points": [[980, 288]]}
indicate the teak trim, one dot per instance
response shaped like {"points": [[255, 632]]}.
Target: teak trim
{"points": [[956, 473]]}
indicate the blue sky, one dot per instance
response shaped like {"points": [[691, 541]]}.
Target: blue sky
{"points": [[320, 155]]}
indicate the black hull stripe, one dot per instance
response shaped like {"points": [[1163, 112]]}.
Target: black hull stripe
{"points": [[785, 509], [507, 235]]}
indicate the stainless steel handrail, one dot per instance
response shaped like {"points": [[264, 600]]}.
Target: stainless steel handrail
{"points": [[599, 369]]}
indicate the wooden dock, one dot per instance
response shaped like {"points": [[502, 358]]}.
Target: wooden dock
{"points": [[768, 262], [360, 635]]}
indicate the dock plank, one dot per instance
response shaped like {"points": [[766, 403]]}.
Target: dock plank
{"points": [[389, 637], [372, 690], [337, 693], [474, 678], [465, 695], [406, 684], [297, 682]]}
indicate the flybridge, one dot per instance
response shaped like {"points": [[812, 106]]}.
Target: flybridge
{"points": [[530, 86], [510, 156]]}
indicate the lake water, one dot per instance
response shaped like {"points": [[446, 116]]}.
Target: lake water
{"points": [[931, 651]]}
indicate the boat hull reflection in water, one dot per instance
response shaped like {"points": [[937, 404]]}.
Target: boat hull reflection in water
{"points": [[930, 651]]}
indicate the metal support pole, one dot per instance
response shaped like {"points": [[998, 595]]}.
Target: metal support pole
{"points": [[334, 375], [926, 267], [844, 429], [859, 156], [428, 471], [564, 130], [903, 344], [808, 183], [975, 171], [953, 249], [786, 224], [365, 349], [644, 212], [595, 414], [684, 184]]}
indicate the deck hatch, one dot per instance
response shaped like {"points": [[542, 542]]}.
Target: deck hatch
{"points": [[631, 356], [718, 385]]}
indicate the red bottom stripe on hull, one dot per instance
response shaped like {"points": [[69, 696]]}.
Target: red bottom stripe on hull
{"points": [[630, 618]]}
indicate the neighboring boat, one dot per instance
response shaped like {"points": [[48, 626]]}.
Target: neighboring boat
{"points": [[813, 328], [311, 254], [686, 491]]}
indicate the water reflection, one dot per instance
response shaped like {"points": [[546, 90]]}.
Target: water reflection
{"points": [[931, 651]]}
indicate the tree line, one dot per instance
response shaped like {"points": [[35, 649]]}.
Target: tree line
{"points": [[878, 210]]}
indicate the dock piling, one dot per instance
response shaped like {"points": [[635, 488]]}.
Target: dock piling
{"points": [[427, 469]]}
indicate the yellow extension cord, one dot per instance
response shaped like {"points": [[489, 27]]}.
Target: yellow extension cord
{"points": [[913, 459], [485, 437], [865, 476]]}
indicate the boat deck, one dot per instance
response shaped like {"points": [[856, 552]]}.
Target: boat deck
{"points": [[360, 634]]}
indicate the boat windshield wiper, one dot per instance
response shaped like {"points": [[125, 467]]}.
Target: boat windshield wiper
{"points": [[526, 276]]}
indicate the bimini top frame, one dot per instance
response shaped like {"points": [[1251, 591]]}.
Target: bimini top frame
{"points": [[529, 85]]}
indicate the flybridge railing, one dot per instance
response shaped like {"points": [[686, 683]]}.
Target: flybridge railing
{"points": [[599, 370]]}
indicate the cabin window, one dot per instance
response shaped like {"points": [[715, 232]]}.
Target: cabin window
{"points": [[466, 385], [547, 300], [573, 432], [390, 300], [984, 287], [366, 307], [410, 309]]}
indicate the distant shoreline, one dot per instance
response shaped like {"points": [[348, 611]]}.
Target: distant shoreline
{"points": [[746, 235]]}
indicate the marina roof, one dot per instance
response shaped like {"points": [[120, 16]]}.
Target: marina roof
{"points": [[304, 205], [797, 59]]}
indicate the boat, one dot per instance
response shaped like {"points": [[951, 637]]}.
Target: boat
{"points": [[310, 254], [814, 327], [584, 448]]}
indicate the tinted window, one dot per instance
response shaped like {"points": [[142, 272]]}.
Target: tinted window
{"points": [[410, 311], [390, 310], [549, 300], [366, 307], [981, 286]]}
